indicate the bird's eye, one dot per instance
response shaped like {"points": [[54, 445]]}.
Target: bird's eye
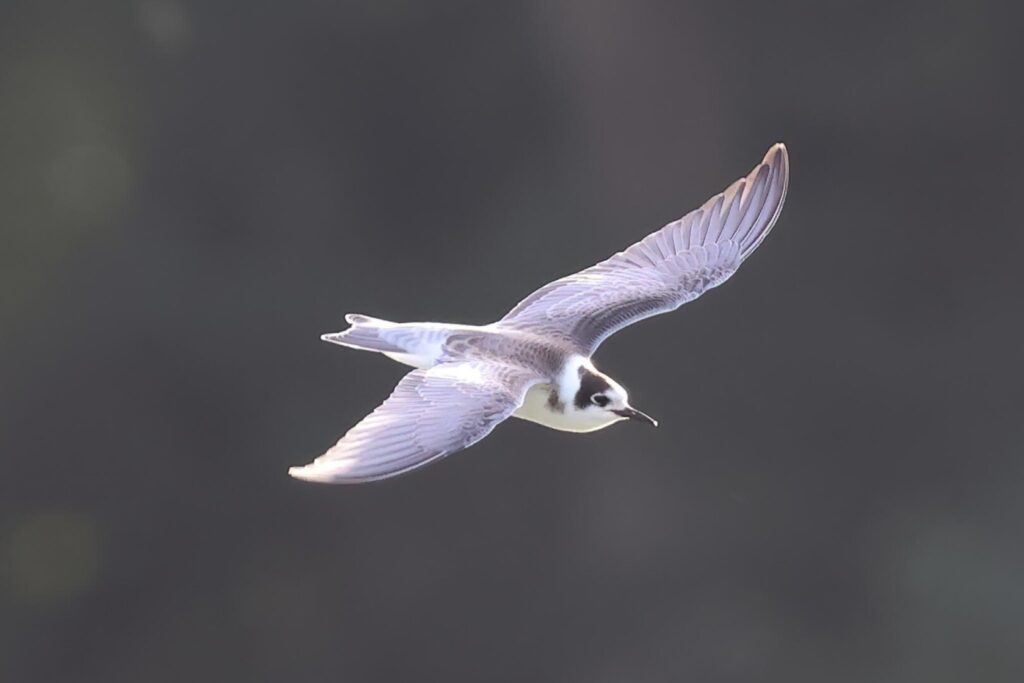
{"points": [[599, 399]]}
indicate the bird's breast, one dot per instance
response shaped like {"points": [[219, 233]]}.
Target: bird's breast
{"points": [[540, 408]]}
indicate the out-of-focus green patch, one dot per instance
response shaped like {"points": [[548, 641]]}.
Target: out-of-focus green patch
{"points": [[49, 556]]}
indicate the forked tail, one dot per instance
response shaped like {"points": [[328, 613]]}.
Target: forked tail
{"points": [[366, 333], [416, 344]]}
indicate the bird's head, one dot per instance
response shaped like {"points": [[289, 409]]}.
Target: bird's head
{"points": [[600, 400]]}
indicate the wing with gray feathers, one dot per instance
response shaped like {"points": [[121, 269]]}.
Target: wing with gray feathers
{"points": [[430, 414], [664, 270]]}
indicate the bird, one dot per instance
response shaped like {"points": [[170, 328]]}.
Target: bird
{"points": [[535, 363]]}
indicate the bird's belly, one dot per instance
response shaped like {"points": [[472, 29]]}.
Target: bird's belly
{"points": [[536, 408]]}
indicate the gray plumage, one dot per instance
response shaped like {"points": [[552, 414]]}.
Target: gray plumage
{"points": [[430, 414], [665, 269], [471, 378]]}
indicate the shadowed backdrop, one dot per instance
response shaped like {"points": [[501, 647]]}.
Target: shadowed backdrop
{"points": [[191, 192]]}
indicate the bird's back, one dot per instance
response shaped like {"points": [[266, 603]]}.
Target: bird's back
{"points": [[544, 356]]}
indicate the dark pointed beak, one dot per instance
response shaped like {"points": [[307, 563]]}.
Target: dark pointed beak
{"points": [[634, 414]]}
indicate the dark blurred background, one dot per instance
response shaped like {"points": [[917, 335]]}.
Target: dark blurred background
{"points": [[191, 192]]}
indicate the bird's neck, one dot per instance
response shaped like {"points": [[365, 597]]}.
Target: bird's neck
{"points": [[572, 376]]}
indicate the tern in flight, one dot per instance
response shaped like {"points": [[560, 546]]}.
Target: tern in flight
{"points": [[535, 363]]}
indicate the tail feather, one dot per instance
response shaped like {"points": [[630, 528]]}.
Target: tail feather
{"points": [[359, 319], [417, 344], [365, 334]]}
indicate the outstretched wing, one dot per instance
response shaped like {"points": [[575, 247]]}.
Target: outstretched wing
{"points": [[664, 270], [430, 414]]}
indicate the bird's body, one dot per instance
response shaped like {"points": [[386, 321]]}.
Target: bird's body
{"points": [[560, 371], [535, 363]]}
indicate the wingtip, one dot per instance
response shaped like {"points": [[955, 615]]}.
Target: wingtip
{"points": [[296, 472], [778, 156], [329, 471], [776, 150], [306, 473]]}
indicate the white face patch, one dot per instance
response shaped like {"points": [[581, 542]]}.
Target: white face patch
{"points": [[604, 401]]}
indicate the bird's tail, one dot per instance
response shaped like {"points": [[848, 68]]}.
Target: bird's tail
{"points": [[366, 333]]}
